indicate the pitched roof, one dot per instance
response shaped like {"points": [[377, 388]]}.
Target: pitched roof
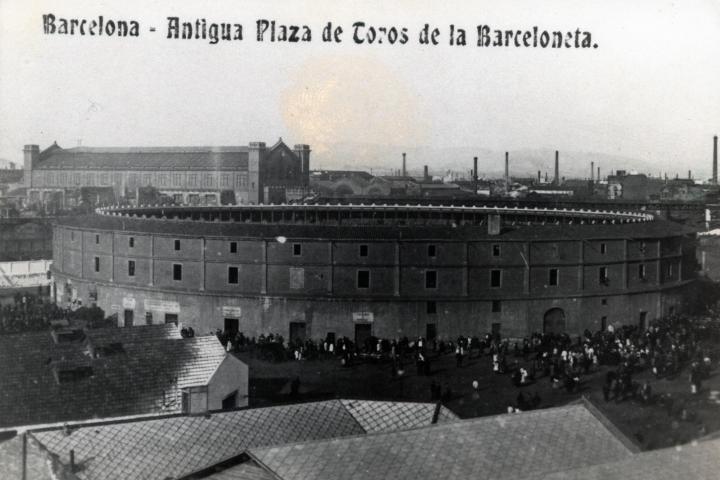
{"points": [[11, 461], [694, 461], [503, 446], [136, 158], [44, 381], [177, 445]]}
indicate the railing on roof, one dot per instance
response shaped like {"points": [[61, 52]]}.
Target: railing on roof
{"points": [[331, 213]]}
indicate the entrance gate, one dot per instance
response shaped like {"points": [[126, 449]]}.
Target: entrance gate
{"points": [[554, 321]]}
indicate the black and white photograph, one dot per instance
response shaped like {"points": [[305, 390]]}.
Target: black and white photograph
{"points": [[358, 239]]}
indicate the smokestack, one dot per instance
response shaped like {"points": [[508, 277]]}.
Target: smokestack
{"points": [[598, 175], [557, 167], [592, 171], [714, 177], [425, 175], [689, 175], [539, 177], [507, 170], [475, 175], [404, 170]]}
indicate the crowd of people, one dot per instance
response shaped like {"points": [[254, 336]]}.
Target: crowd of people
{"points": [[27, 313], [665, 348]]}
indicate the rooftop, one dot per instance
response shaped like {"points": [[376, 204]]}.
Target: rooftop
{"points": [[378, 221], [180, 445], [143, 158], [76, 375], [526, 445]]}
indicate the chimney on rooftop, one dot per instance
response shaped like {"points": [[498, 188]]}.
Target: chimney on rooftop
{"points": [[598, 175], [404, 170], [425, 173], [592, 172], [714, 177], [72, 461], [539, 177]]}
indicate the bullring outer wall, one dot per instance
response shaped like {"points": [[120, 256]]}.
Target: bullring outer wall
{"points": [[317, 287]]}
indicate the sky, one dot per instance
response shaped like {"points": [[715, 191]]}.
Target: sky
{"points": [[649, 91]]}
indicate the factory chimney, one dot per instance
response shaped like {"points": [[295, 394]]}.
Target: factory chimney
{"points": [[557, 167], [474, 174], [507, 171], [404, 170], [714, 177], [592, 172], [539, 177], [598, 175], [425, 173], [689, 175]]}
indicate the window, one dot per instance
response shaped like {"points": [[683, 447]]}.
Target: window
{"points": [[131, 268], [495, 278], [430, 279], [431, 307], [177, 272], [642, 247], [496, 250], [670, 270], [603, 301], [297, 249], [603, 276], [431, 251], [233, 275], [233, 247], [363, 279], [97, 239], [72, 236], [641, 271], [363, 250], [148, 318], [553, 277], [603, 248], [177, 245], [555, 250], [496, 306], [131, 242], [97, 264]]}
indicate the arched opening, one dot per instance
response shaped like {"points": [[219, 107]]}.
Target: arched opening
{"points": [[554, 321]]}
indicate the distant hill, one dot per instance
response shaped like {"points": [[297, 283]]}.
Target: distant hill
{"points": [[523, 163]]}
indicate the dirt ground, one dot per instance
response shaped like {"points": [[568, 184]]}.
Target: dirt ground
{"points": [[652, 426]]}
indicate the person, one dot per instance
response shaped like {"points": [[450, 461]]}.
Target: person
{"points": [[695, 381], [459, 355]]}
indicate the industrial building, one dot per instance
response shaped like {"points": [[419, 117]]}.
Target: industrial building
{"points": [[189, 175], [330, 271]]}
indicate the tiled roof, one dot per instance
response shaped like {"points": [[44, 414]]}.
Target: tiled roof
{"points": [[653, 229], [390, 416], [243, 471], [503, 446], [145, 376], [695, 461], [180, 445], [11, 463], [133, 158]]}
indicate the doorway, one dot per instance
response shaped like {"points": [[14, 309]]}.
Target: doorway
{"points": [[232, 326], [297, 332], [642, 322], [363, 331], [554, 321], [129, 318], [430, 332]]}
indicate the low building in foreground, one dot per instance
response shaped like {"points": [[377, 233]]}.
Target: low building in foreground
{"points": [[73, 374], [350, 439]]}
